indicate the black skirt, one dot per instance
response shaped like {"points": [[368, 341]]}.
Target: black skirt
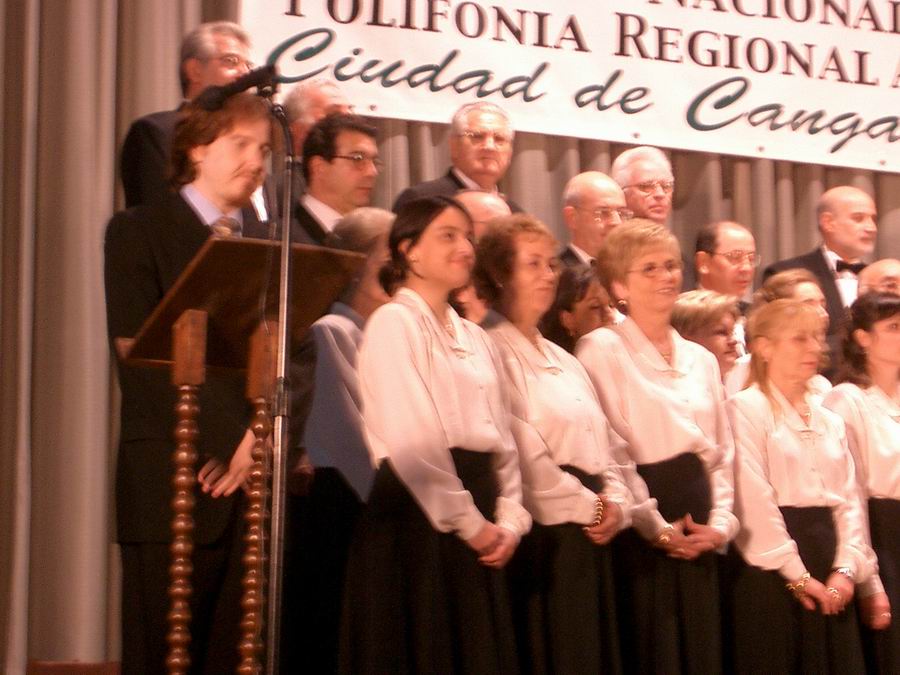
{"points": [[315, 563], [883, 647], [669, 610], [417, 600], [772, 632], [563, 599]]}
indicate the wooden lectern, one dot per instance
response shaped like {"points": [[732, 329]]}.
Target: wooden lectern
{"points": [[222, 313]]}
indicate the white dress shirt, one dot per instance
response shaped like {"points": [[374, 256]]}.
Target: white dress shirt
{"points": [[782, 462], [846, 281], [557, 421], [327, 216], [334, 435], [425, 392], [663, 411]]}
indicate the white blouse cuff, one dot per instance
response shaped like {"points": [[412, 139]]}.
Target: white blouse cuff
{"points": [[513, 516]]}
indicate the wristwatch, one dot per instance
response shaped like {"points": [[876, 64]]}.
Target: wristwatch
{"points": [[846, 571]]}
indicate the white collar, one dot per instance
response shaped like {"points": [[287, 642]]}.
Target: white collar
{"points": [[326, 215]]}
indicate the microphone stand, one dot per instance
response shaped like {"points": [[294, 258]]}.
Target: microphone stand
{"points": [[281, 406]]}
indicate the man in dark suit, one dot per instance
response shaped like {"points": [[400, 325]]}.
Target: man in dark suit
{"points": [[212, 54], [847, 222], [593, 204], [340, 165], [481, 139], [219, 161]]}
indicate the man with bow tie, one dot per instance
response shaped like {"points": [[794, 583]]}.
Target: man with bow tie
{"points": [[847, 221]]}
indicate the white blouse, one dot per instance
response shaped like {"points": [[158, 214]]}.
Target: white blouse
{"points": [[333, 435], [425, 392], [663, 411], [782, 462], [557, 421], [873, 434]]}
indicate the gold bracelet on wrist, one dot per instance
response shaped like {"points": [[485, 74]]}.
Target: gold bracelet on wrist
{"points": [[598, 512], [665, 536]]}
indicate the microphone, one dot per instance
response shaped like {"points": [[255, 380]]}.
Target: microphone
{"points": [[213, 98]]}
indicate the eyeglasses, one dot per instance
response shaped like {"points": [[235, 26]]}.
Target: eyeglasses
{"points": [[360, 160], [604, 214], [233, 61], [654, 271], [500, 140], [752, 258], [649, 186]]}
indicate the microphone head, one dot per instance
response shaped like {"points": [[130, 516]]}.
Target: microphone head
{"points": [[214, 97]]}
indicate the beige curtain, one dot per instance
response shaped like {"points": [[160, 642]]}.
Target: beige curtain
{"points": [[76, 72]]}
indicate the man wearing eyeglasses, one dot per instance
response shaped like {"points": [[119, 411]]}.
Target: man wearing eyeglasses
{"points": [[211, 54], [645, 175], [593, 204], [340, 165], [481, 139], [726, 259]]}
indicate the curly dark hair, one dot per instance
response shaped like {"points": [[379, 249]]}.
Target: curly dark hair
{"points": [[574, 283], [868, 309]]}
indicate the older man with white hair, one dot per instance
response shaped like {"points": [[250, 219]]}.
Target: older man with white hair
{"points": [[481, 138]]}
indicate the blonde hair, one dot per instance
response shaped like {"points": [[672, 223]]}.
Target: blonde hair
{"points": [[696, 310], [782, 285], [768, 321], [626, 243]]}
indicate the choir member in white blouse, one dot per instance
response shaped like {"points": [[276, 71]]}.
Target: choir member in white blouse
{"points": [[664, 396], [561, 578], [425, 588], [796, 284], [335, 446], [803, 530], [708, 318], [868, 400]]}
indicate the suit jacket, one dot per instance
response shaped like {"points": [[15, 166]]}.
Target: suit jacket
{"points": [[445, 186], [815, 262], [145, 251], [569, 258], [306, 229], [145, 157]]}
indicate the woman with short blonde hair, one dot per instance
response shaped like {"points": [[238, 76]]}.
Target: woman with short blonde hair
{"points": [[663, 395]]}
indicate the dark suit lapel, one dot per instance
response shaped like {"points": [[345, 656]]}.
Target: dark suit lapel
{"points": [[312, 227], [835, 306], [455, 180]]}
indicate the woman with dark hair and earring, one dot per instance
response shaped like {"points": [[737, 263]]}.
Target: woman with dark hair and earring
{"points": [[663, 395], [802, 535], [425, 588], [562, 587], [868, 400], [581, 305]]}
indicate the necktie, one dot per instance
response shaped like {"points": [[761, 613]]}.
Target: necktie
{"points": [[844, 266], [226, 227]]}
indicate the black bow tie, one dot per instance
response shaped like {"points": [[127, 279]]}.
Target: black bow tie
{"points": [[844, 266]]}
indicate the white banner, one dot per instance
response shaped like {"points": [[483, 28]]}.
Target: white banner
{"points": [[813, 81]]}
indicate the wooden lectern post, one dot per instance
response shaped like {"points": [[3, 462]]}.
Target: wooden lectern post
{"points": [[215, 317]]}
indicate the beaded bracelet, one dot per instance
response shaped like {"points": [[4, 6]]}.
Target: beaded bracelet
{"points": [[598, 512], [798, 587]]}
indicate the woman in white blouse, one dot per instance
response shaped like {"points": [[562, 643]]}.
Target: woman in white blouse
{"points": [[802, 533], [561, 578], [425, 589], [868, 400], [663, 395]]}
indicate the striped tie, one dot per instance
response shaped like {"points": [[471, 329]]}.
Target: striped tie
{"points": [[226, 227]]}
